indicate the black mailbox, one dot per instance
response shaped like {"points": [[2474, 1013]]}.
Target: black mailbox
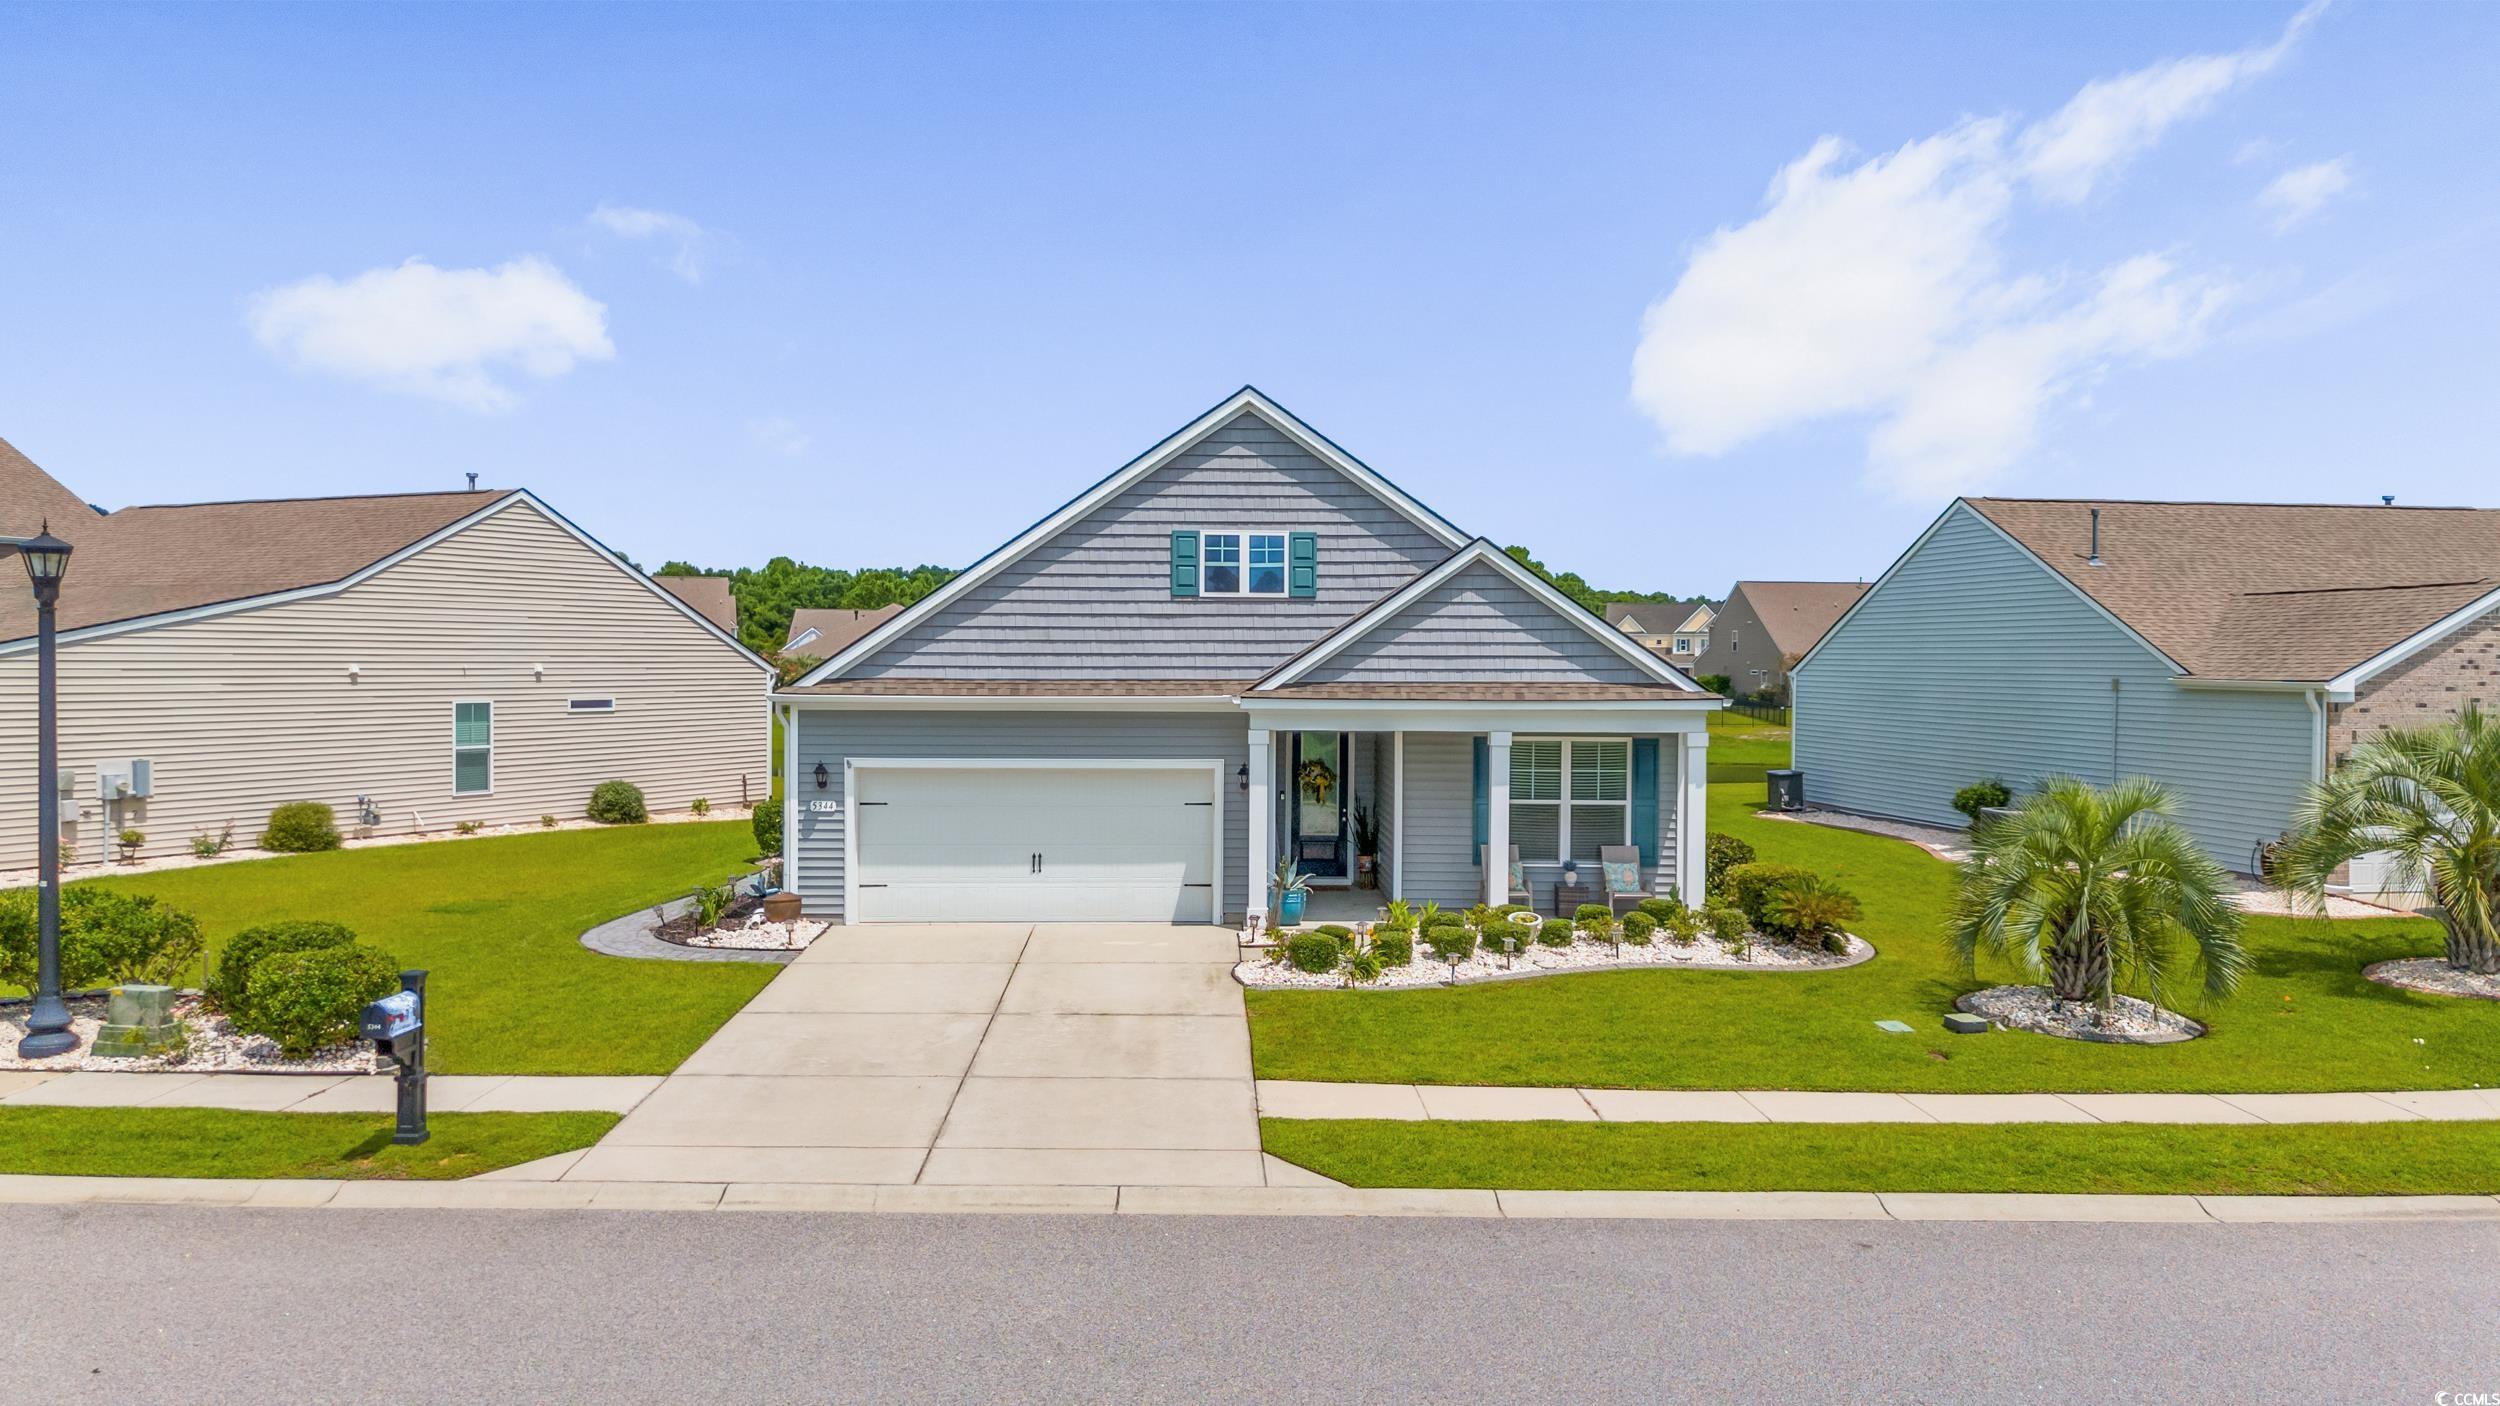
{"points": [[396, 1026]]}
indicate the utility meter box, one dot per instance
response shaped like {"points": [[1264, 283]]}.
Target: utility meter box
{"points": [[141, 777]]}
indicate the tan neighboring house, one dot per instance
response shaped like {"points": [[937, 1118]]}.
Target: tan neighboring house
{"points": [[1765, 627], [413, 660], [708, 595], [822, 634], [1685, 633]]}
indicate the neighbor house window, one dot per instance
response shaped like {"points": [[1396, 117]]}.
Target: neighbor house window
{"points": [[472, 748], [1569, 798], [590, 705], [1242, 563]]}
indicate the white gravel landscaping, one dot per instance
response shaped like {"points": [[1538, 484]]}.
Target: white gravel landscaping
{"points": [[2434, 975], [215, 1046], [760, 936], [2129, 1021], [1265, 972]]}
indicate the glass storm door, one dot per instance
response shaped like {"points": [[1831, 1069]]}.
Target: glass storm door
{"points": [[1318, 780]]}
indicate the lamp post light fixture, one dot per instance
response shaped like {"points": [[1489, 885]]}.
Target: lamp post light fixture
{"points": [[47, 1024]]}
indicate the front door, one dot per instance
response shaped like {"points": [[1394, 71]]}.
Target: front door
{"points": [[1318, 807]]}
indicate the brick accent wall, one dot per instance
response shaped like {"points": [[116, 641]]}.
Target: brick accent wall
{"points": [[2431, 686]]}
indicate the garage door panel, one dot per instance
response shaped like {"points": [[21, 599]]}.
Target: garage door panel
{"points": [[957, 844]]}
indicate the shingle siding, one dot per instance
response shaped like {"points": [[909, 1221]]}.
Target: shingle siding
{"points": [[1095, 601], [831, 735], [1479, 626], [1972, 660]]}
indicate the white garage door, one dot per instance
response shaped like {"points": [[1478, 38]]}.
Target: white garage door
{"points": [[1034, 844]]}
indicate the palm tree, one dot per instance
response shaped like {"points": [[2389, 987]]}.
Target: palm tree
{"points": [[2429, 799], [2088, 885]]}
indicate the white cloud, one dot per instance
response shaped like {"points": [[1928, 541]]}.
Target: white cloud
{"points": [[2114, 119], [688, 245], [1878, 287], [776, 434], [434, 332], [2304, 190]]}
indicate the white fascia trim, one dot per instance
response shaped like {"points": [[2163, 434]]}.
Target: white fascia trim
{"points": [[997, 703], [803, 637], [329, 588], [2198, 681], [1568, 719], [1963, 505], [1479, 550], [2341, 688], [1172, 447]]}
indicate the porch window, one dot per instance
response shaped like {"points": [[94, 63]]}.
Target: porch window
{"points": [[1569, 797]]}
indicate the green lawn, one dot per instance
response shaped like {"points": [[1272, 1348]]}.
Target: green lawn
{"points": [[2304, 1019], [2308, 1159], [497, 921], [1741, 749], [217, 1142]]}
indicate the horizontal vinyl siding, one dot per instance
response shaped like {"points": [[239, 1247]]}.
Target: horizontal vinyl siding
{"points": [[831, 735], [1972, 660], [241, 712], [1095, 600], [1479, 626], [1441, 856]]}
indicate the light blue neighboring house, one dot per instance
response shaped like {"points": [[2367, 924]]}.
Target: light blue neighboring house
{"points": [[1243, 645], [2231, 650]]}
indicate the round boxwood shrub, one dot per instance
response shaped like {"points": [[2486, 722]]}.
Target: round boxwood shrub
{"points": [[1751, 888], [767, 824], [1639, 928], [230, 984], [1987, 793], [1659, 910], [307, 999], [1338, 931], [1450, 944], [301, 827], [1313, 952], [1587, 911], [1394, 946], [617, 803], [106, 938], [1555, 933], [1725, 852]]}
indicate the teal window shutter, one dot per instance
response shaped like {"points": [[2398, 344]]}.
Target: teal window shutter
{"points": [[1184, 563], [1302, 565], [1484, 831], [1645, 800]]}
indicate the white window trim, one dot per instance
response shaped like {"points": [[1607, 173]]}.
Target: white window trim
{"points": [[457, 747], [606, 703], [1284, 587], [1562, 807]]}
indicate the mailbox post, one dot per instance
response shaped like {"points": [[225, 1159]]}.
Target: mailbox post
{"points": [[396, 1026]]}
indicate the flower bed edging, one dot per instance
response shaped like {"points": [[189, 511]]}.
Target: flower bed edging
{"points": [[1424, 973], [2432, 976]]}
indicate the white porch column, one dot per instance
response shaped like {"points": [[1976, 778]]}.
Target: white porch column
{"points": [[1261, 824], [1497, 818], [1397, 815], [1692, 817]]}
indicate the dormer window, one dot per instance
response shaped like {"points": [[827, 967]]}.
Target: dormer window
{"points": [[1244, 563]]}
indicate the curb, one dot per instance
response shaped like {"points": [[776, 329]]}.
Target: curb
{"points": [[1338, 1202]]}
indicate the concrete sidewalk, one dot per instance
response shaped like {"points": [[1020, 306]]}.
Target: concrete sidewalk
{"points": [[1285, 1098], [324, 1093]]}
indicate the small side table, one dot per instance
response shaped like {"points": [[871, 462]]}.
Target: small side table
{"points": [[1569, 897]]}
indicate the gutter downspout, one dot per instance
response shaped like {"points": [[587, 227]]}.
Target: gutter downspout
{"points": [[2317, 737]]}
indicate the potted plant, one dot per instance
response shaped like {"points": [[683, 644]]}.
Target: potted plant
{"points": [[1366, 846], [1292, 888], [130, 841]]}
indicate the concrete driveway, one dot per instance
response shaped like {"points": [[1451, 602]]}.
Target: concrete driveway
{"points": [[968, 1054]]}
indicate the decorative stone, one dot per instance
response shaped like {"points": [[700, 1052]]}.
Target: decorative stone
{"points": [[138, 1023], [1961, 1024]]}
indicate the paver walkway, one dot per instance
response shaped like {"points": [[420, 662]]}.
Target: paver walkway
{"points": [[324, 1093], [967, 1055], [1284, 1098]]}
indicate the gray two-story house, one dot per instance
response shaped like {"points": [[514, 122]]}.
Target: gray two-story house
{"points": [[1242, 646]]}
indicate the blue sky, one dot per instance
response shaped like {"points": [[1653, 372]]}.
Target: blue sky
{"points": [[1671, 294]]}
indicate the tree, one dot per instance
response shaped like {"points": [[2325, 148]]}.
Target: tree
{"points": [[768, 595], [2429, 799], [2089, 887]]}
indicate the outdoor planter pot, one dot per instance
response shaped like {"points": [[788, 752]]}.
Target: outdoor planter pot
{"points": [[1289, 906], [781, 907]]}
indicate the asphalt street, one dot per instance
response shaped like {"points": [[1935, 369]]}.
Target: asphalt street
{"points": [[134, 1304]]}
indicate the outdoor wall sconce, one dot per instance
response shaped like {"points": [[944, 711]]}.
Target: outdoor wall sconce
{"points": [[824, 778], [1243, 776], [353, 670]]}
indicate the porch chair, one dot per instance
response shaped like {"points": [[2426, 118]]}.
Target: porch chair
{"points": [[1619, 876], [1518, 887]]}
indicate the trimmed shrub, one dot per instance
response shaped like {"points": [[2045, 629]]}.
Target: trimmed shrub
{"points": [[1442, 921], [1587, 911], [617, 803], [1450, 944], [301, 827], [1520, 931], [1716, 683], [1724, 852], [766, 822], [310, 998], [1683, 925], [1394, 946], [1336, 930], [1513, 910], [1479, 916], [1600, 925], [1639, 928], [1556, 932], [106, 938], [1659, 909], [700, 806], [1981, 795], [1313, 952], [1751, 886], [1729, 927], [228, 987]]}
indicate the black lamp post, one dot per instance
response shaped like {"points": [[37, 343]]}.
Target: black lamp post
{"points": [[47, 1024]]}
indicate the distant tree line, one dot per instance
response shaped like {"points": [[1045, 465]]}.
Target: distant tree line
{"points": [[1570, 584], [769, 594]]}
